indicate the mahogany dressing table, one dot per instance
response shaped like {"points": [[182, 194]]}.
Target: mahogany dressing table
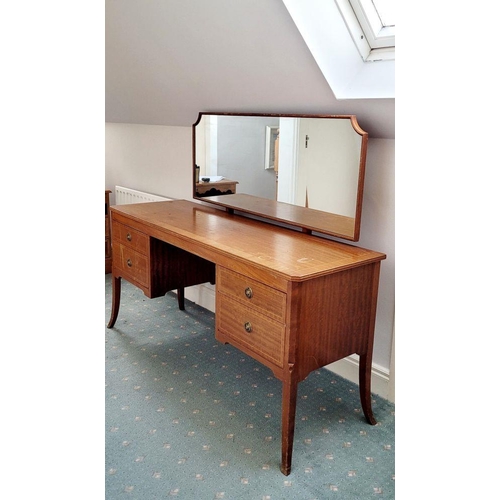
{"points": [[291, 300]]}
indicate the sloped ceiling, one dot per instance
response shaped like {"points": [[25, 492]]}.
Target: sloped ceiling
{"points": [[167, 60]]}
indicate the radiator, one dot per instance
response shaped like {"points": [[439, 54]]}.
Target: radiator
{"points": [[124, 196]]}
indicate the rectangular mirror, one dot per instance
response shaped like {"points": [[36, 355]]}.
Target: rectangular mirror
{"points": [[303, 170]]}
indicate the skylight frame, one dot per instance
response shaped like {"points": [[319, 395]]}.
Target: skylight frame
{"points": [[374, 41]]}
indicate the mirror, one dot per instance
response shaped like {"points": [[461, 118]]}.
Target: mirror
{"points": [[304, 170]]}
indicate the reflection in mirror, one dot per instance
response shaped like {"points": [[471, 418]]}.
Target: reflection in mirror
{"points": [[314, 162]]}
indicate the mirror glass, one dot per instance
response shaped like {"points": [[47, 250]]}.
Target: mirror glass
{"points": [[306, 170]]}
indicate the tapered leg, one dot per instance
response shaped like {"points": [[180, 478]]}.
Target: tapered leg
{"points": [[180, 298], [115, 306], [289, 405], [365, 380]]}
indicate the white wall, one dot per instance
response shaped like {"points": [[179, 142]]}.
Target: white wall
{"points": [[377, 233], [158, 159]]}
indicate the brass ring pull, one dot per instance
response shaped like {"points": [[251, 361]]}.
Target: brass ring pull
{"points": [[129, 263], [129, 237], [248, 327], [248, 292]]}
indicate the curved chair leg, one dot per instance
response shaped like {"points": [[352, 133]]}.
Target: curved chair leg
{"points": [[115, 306], [365, 379], [180, 298]]}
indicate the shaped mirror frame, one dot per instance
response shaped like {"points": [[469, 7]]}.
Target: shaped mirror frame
{"points": [[224, 192]]}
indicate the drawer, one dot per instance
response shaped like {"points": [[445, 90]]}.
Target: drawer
{"points": [[251, 329], [263, 298], [134, 264], [130, 237]]}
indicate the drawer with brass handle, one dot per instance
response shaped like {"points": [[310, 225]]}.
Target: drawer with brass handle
{"points": [[251, 329], [130, 237], [133, 264], [248, 291]]}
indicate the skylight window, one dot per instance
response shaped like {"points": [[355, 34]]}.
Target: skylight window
{"points": [[372, 25], [385, 11]]}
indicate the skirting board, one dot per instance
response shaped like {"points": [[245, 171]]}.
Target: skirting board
{"points": [[204, 296], [349, 369]]}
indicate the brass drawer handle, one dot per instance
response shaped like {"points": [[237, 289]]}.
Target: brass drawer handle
{"points": [[248, 292], [248, 327], [129, 237], [129, 263]]}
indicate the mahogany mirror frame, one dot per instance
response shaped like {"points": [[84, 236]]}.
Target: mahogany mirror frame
{"points": [[307, 219]]}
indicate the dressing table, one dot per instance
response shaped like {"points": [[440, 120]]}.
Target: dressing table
{"points": [[213, 188], [289, 298]]}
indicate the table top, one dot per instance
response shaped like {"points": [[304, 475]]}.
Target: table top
{"points": [[293, 254]]}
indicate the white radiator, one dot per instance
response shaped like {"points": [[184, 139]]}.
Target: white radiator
{"points": [[124, 196]]}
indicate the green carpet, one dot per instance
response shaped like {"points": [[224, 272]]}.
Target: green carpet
{"points": [[191, 418]]}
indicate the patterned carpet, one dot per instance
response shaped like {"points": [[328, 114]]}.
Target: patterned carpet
{"points": [[191, 418]]}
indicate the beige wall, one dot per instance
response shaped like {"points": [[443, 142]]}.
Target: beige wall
{"points": [[151, 158]]}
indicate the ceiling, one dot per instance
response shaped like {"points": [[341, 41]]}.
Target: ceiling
{"points": [[167, 60]]}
